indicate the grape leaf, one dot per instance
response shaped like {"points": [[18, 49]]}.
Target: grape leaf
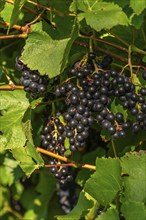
{"points": [[36, 200], [13, 106], [105, 183], [138, 6], [4, 197], [46, 181], [28, 157], [137, 20], [144, 59], [18, 4], [82, 5], [82, 207], [136, 81], [28, 197], [125, 144], [6, 12], [2, 5], [133, 210], [88, 158], [8, 170], [110, 214], [30, 214], [117, 107], [96, 13], [134, 165], [44, 54], [32, 152]]}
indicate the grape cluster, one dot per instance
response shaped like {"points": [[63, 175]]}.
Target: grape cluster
{"points": [[89, 94], [67, 196], [78, 116], [53, 138], [90, 99], [33, 83]]}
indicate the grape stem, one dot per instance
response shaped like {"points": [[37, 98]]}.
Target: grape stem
{"points": [[17, 27], [11, 87], [14, 213], [6, 75], [129, 61], [133, 66], [9, 45], [91, 51], [51, 9], [13, 36], [26, 28], [104, 42], [118, 57], [34, 12], [60, 165], [133, 47], [61, 14], [72, 163], [36, 19], [120, 39], [143, 34], [114, 149]]}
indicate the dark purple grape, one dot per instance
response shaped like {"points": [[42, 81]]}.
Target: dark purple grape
{"points": [[91, 56]]}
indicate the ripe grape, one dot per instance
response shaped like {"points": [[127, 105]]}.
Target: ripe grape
{"points": [[33, 83]]}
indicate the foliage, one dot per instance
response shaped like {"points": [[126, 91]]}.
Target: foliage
{"points": [[49, 37]]}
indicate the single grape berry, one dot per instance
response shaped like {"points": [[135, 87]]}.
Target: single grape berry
{"points": [[91, 56]]}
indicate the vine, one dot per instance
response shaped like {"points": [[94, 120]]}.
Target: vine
{"points": [[73, 110]]}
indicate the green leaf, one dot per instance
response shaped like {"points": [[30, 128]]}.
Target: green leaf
{"points": [[18, 4], [96, 14], [117, 107], [82, 5], [8, 171], [46, 181], [27, 126], [6, 12], [28, 158], [136, 81], [36, 102], [105, 135], [36, 200], [28, 197], [110, 214], [134, 165], [44, 54], [2, 5], [31, 151], [133, 210], [137, 20], [105, 183], [144, 59], [88, 158], [13, 106], [4, 197], [123, 145], [85, 202], [138, 6]]}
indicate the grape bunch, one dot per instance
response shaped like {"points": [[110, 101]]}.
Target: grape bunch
{"points": [[53, 138], [90, 99], [78, 116], [89, 93], [67, 196], [33, 83]]}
